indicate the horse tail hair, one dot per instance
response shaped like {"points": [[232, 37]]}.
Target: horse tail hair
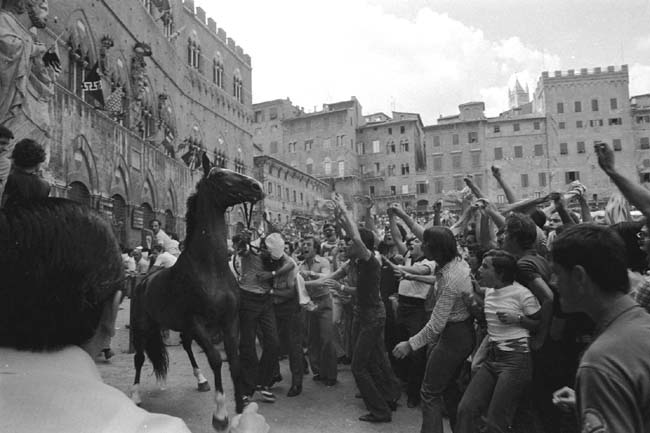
{"points": [[157, 352]]}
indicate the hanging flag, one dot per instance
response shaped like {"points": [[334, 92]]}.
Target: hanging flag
{"points": [[93, 85], [114, 101]]}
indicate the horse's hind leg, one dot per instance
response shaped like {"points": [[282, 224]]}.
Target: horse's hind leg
{"points": [[202, 382], [231, 344], [202, 336]]}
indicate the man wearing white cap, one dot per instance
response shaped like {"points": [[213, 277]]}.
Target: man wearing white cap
{"points": [[287, 309]]}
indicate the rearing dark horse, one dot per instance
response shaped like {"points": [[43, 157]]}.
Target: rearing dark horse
{"points": [[199, 293]]}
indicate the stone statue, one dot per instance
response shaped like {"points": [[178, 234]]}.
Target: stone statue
{"points": [[28, 71]]}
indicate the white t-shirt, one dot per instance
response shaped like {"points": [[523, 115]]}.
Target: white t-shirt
{"points": [[417, 289], [516, 299], [165, 260]]}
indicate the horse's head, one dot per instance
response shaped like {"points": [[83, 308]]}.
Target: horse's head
{"points": [[229, 187]]}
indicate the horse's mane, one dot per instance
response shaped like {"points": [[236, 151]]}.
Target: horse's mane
{"points": [[190, 215]]}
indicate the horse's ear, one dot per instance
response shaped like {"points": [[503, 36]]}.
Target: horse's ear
{"points": [[206, 165]]}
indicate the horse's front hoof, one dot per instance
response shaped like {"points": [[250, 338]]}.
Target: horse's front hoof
{"points": [[204, 386], [220, 424]]}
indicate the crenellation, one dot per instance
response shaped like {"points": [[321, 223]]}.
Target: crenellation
{"points": [[239, 50], [221, 34], [212, 25], [189, 5], [247, 59], [584, 72], [231, 43], [200, 14]]}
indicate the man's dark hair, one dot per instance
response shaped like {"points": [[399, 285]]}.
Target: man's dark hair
{"points": [[329, 225], [522, 229], [505, 264], [28, 153], [155, 220], [157, 248], [599, 250], [6, 132], [538, 217], [315, 242], [443, 240], [60, 265], [367, 237]]}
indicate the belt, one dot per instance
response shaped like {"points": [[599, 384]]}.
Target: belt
{"points": [[254, 294], [410, 300]]}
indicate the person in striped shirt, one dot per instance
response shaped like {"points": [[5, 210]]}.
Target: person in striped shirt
{"points": [[450, 329]]}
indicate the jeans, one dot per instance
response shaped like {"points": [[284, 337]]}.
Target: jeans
{"points": [[341, 317], [290, 326], [257, 311], [443, 367], [371, 368], [495, 390], [410, 320], [322, 352]]}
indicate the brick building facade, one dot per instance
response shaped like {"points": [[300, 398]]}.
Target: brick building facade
{"points": [[174, 86]]}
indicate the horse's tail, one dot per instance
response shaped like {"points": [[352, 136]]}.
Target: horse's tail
{"points": [[147, 332], [157, 352]]}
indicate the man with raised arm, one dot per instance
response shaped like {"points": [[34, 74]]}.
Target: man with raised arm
{"points": [[370, 365]]}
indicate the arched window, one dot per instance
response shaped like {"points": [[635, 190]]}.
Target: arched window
{"points": [[217, 70], [237, 86], [193, 51], [327, 165], [79, 193]]}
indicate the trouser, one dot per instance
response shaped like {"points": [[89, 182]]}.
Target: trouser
{"points": [[495, 390], [342, 319], [371, 368], [257, 311], [410, 320], [443, 367], [290, 325], [322, 352]]}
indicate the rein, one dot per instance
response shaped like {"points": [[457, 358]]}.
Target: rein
{"points": [[248, 214]]}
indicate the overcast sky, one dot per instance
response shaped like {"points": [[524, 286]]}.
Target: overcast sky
{"points": [[428, 56]]}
